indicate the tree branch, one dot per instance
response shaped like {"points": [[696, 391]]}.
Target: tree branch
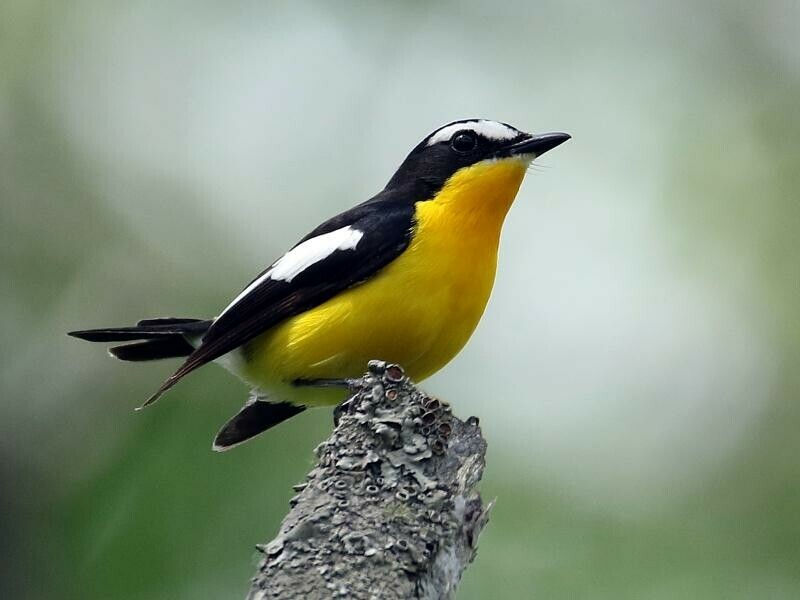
{"points": [[390, 510]]}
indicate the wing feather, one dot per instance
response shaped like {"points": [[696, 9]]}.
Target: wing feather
{"points": [[385, 229]]}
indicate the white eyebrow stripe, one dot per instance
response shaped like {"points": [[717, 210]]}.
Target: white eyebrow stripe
{"points": [[304, 255], [489, 129]]}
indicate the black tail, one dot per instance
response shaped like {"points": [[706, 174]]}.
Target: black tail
{"points": [[259, 414], [162, 338]]}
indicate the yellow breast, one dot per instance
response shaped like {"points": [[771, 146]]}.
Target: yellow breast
{"points": [[420, 310]]}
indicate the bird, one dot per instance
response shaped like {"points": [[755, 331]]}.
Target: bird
{"points": [[404, 277]]}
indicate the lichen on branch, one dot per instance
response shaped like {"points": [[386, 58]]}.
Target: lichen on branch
{"points": [[390, 510]]}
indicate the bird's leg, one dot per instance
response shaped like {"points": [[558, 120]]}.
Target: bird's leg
{"points": [[352, 385], [388, 372]]}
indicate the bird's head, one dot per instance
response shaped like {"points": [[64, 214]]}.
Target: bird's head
{"points": [[472, 153]]}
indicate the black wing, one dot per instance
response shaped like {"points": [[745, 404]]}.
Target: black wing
{"points": [[386, 228]]}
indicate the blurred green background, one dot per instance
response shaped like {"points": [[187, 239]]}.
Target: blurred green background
{"points": [[636, 374]]}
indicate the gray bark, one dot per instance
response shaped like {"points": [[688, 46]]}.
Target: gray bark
{"points": [[391, 508]]}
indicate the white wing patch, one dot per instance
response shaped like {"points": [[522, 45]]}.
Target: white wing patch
{"points": [[488, 129], [302, 256], [310, 252]]}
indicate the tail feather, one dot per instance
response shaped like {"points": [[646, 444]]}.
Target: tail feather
{"points": [[168, 321], [119, 334], [155, 338], [256, 416], [171, 346], [146, 330]]}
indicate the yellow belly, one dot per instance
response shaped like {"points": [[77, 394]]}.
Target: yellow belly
{"points": [[419, 311]]}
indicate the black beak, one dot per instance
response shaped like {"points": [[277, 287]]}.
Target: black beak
{"points": [[536, 144]]}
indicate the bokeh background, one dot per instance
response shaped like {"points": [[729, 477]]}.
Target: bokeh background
{"points": [[636, 372]]}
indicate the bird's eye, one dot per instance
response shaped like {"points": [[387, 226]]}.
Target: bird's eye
{"points": [[464, 142]]}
